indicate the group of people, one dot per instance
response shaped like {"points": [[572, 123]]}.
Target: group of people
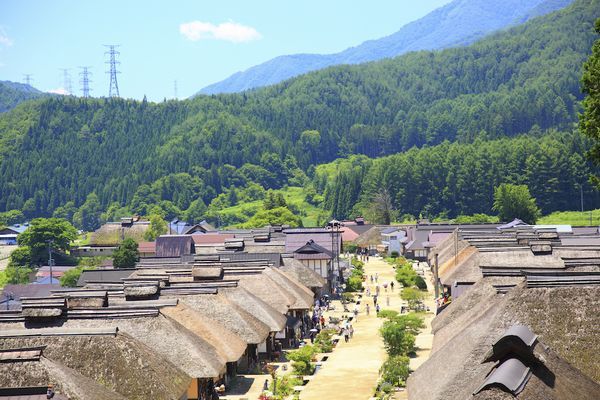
{"points": [[347, 331]]}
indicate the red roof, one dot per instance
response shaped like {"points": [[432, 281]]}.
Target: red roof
{"points": [[211, 238]]}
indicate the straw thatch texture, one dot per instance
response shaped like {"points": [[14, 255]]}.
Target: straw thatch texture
{"points": [[519, 259], [230, 315], [265, 289], [304, 296], [255, 306], [229, 345], [372, 237], [475, 299], [192, 354], [199, 272], [566, 319], [111, 234], [65, 380], [448, 248], [554, 379], [119, 363], [466, 268], [301, 273]]}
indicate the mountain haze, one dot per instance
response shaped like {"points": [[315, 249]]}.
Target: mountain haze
{"points": [[458, 23]]}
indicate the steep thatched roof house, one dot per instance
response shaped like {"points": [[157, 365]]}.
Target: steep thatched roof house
{"points": [[89, 364]]}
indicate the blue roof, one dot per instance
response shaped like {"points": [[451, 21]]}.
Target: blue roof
{"points": [[19, 228], [177, 227], [46, 281]]}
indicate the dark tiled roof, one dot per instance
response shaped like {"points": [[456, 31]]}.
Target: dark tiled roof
{"points": [[312, 248], [103, 275]]}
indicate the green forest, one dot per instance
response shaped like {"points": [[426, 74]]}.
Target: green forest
{"points": [[436, 130]]}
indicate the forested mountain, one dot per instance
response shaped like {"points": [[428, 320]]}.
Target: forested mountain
{"points": [[459, 179], [66, 154], [458, 23], [12, 93]]}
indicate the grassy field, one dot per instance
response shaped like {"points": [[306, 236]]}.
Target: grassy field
{"points": [[574, 218], [294, 196]]}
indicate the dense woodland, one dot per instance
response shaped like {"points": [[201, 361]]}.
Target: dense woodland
{"points": [[443, 115]]}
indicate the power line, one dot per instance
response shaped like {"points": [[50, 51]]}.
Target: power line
{"points": [[113, 89], [85, 81], [175, 89], [67, 81], [27, 79]]}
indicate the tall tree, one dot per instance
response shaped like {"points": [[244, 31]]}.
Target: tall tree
{"points": [[42, 233], [126, 255], [590, 119], [515, 201]]}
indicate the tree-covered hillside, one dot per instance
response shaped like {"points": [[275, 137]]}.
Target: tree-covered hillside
{"points": [[192, 157], [458, 23], [459, 179], [12, 93]]}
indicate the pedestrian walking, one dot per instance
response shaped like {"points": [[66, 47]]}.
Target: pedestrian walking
{"points": [[377, 289], [387, 301], [367, 308], [351, 330], [356, 312], [266, 385], [368, 292], [371, 278], [392, 285], [376, 277], [375, 300], [346, 335], [377, 309]]}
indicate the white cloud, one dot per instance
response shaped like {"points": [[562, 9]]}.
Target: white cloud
{"points": [[59, 91], [4, 39], [229, 31]]}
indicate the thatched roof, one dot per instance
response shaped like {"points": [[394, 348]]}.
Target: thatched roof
{"points": [[118, 363], [304, 296], [466, 267], [113, 233], [552, 379], [192, 354], [301, 273], [372, 237], [44, 372], [230, 315], [225, 341], [565, 318], [264, 288], [255, 306]]}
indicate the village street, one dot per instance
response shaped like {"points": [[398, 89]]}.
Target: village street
{"points": [[352, 370]]}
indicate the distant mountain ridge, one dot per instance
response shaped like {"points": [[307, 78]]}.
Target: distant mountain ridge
{"points": [[13, 93], [458, 23]]}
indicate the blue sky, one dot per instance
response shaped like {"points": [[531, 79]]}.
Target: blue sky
{"points": [[195, 43]]}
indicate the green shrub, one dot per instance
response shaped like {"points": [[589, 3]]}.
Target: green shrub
{"points": [[283, 386], [420, 283], [395, 254], [302, 360], [396, 339], [412, 296], [324, 342], [406, 275], [395, 371], [348, 297], [350, 248], [356, 263], [354, 284], [387, 314], [412, 322]]}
